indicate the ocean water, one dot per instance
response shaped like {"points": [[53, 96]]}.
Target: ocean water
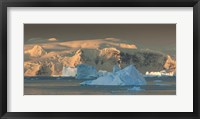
{"points": [[71, 86]]}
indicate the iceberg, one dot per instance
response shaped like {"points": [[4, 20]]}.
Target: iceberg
{"points": [[86, 72], [116, 68], [135, 89], [159, 74], [152, 74], [127, 76], [102, 73], [69, 71]]}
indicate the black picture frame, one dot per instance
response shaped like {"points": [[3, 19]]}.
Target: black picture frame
{"points": [[99, 3]]}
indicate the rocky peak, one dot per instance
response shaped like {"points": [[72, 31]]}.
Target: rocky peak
{"points": [[109, 53], [170, 64], [36, 51]]}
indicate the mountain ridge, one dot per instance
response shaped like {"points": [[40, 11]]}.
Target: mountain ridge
{"points": [[44, 60]]}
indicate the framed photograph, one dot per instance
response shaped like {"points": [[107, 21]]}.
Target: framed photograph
{"points": [[100, 59]]}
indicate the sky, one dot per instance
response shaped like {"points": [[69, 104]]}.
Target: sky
{"points": [[160, 37]]}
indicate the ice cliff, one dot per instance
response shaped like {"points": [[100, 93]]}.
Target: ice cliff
{"points": [[86, 72], [69, 71]]}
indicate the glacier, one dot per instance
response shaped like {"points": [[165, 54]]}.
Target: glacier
{"points": [[85, 71], [127, 76], [69, 71]]}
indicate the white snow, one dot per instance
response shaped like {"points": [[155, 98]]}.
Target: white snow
{"points": [[86, 72], [127, 76], [69, 71]]}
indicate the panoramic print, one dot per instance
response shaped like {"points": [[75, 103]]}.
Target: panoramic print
{"points": [[99, 59]]}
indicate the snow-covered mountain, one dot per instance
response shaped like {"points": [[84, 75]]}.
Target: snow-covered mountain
{"points": [[49, 58]]}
